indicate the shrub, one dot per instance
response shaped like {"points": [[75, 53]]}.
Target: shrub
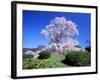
{"points": [[75, 58], [44, 55]]}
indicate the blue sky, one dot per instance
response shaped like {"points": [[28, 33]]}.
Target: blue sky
{"points": [[35, 21]]}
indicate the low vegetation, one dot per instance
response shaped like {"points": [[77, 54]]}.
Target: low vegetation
{"points": [[75, 58], [44, 55], [54, 61], [47, 60]]}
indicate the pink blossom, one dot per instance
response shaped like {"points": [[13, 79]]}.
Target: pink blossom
{"points": [[60, 31]]}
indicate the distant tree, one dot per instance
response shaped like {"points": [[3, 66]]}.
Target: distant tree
{"points": [[41, 46], [78, 46], [60, 32], [88, 47]]}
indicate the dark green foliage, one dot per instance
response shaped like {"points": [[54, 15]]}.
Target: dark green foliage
{"points": [[44, 55], [88, 48], [76, 58]]}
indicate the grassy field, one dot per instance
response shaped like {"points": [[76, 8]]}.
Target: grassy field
{"points": [[57, 59], [70, 59], [53, 62]]}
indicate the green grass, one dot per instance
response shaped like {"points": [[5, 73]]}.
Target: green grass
{"points": [[59, 60], [53, 62]]}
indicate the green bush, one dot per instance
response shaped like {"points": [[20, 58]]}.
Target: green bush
{"points": [[44, 55], [36, 64], [76, 58]]}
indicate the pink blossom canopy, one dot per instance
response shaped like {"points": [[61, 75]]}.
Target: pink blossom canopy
{"points": [[60, 32]]}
